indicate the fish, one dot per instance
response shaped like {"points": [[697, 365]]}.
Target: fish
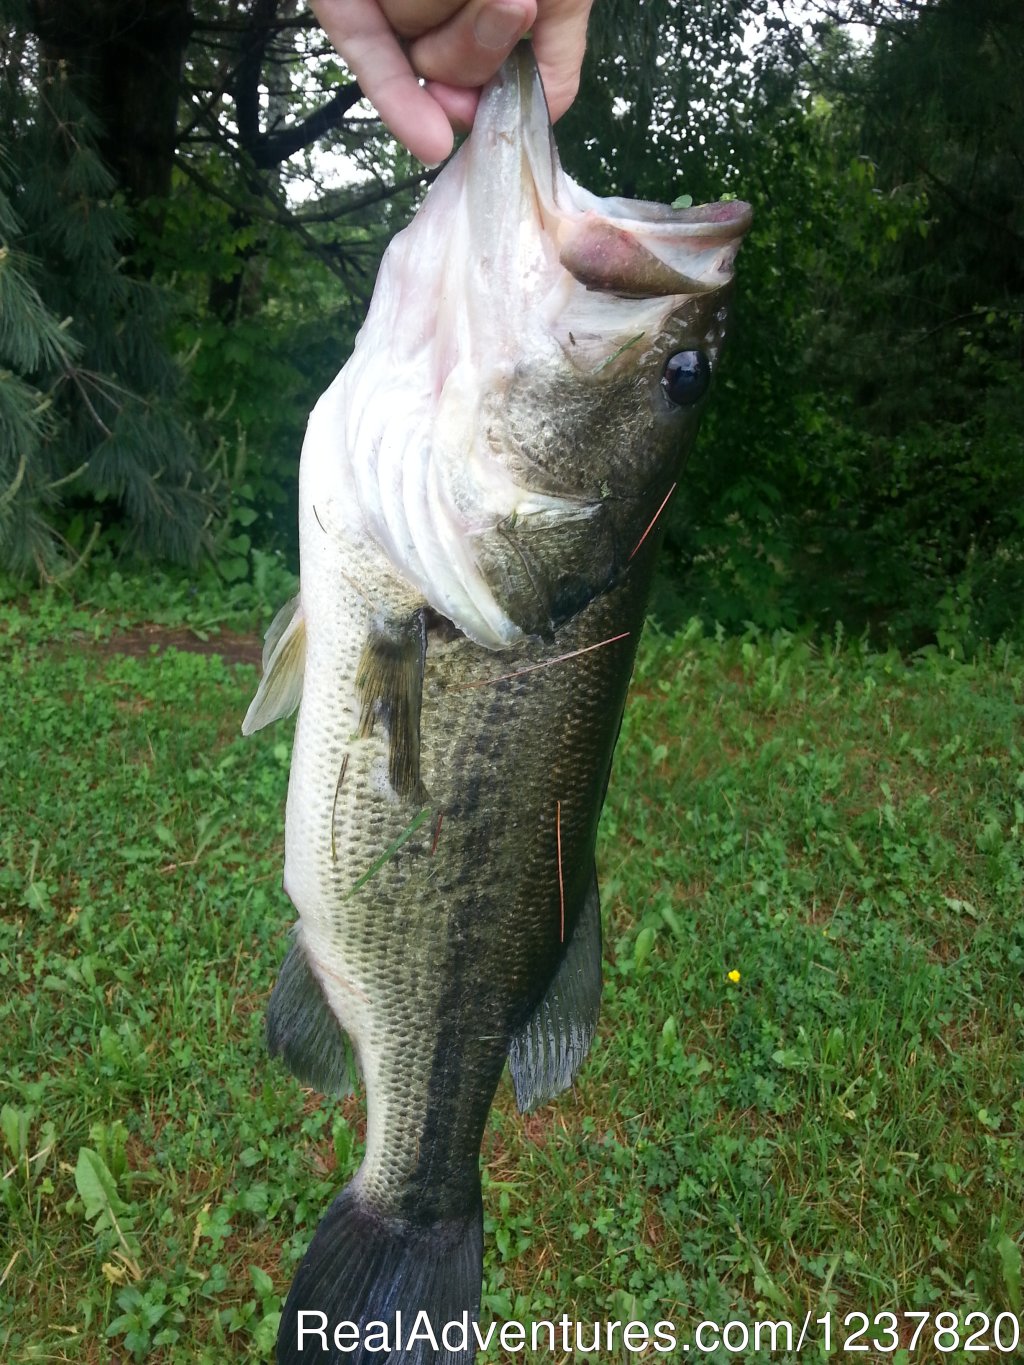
{"points": [[481, 498]]}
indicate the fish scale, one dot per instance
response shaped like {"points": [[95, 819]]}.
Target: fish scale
{"points": [[481, 499]]}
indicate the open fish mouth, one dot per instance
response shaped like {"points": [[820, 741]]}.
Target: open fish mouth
{"points": [[511, 282], [630, 248], [528, 248]]}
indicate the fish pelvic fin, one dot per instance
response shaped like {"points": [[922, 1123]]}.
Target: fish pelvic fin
{"points": [[284, 664], [546, 1053], [389, 679], [303, 1031], [364, 1268]]}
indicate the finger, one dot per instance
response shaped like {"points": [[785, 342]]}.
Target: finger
{"points": [[459, 103], [559, 40], [410, 18], [361, 33], [468, 50]]}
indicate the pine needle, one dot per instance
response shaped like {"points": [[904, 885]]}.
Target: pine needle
{"points": [[334, 807], [561, 884], [653, 520], [548, 663]]}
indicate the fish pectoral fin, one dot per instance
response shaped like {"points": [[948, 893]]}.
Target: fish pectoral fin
{"points": [[546, 1053], [390, 684], [284, 663], [302, 1029]]}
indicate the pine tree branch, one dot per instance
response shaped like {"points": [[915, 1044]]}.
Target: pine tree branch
{"points": [[67, 478], [76, 379], [263, 205], [246, 82], [377, 195], [272, 148], [274, 26], [74, 566], [206, 108], [11, 491]]}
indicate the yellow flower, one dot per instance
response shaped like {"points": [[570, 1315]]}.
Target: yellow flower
{"points": [[734, 976]]}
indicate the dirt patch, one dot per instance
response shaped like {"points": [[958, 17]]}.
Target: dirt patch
{"points": [[234, 648]]}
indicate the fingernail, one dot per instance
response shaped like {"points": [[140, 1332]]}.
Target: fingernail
{"points": [[498, 25]]}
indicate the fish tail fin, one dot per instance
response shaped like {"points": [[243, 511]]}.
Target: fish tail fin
{"points": [[363, 1268]]}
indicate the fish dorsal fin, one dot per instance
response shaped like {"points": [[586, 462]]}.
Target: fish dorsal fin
{"points": [[390, 684], [549, 1049], [284, 663]]}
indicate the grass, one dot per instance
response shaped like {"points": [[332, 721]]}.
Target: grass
{"points": [[841, 1127]]}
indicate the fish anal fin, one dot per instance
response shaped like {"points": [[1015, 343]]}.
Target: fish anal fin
{"points": [[389, 680], [302, 1029], [284, 664], [549, 1049]]}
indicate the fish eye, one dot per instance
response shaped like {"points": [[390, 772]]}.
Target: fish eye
{"points": [[686, 377]]}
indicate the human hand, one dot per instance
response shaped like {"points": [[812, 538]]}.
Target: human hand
{"points": [[457, 45]]}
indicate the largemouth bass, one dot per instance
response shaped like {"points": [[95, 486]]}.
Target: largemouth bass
{"points": [[479, 518]]}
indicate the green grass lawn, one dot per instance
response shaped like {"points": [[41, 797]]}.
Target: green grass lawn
{"points": [[807, 1091]]}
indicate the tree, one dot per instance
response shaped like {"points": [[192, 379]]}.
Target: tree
{"points": [[150, 151], [926, 348], [862, 460], [89, 395]]}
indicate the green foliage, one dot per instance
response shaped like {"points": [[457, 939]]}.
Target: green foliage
{"points": [[861, 459], [255, 373], [812, 871], [922, 355], [774, 453], [89, 411], [160, 355], [32, 340]]}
